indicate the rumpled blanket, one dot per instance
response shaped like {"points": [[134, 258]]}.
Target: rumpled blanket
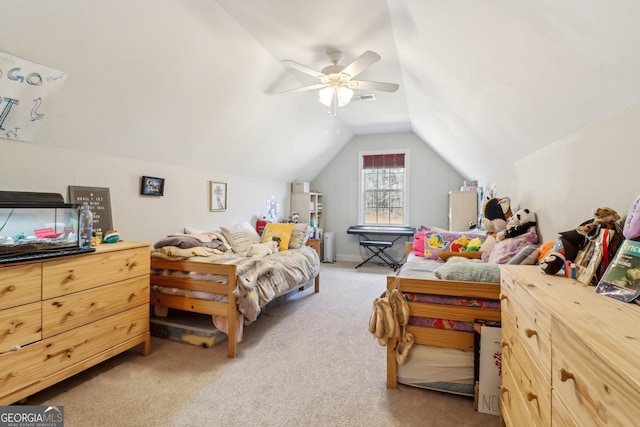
{"points": [[187, 241]]}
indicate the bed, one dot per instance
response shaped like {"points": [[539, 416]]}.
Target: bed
{"points": [[442, 313], [233, 289]]}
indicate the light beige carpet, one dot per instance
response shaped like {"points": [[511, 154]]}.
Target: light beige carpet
{"points": [[309, 362]]}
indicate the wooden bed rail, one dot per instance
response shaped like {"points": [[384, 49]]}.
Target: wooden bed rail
{"points": [[227, 309], [228, 272], [441, 337]]}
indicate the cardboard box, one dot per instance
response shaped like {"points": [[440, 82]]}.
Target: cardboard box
{"points": [[488, 367], [300, 187]]}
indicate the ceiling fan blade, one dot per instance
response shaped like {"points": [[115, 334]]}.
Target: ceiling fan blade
{"points": [[379, 86], [361, 63], [304, 89], [297, 66]]}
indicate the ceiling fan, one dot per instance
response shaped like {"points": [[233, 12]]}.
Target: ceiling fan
{"points": [[337, 81]]}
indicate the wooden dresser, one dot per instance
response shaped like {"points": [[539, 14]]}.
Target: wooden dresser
{"points": [[570, 356], [63, 315]]}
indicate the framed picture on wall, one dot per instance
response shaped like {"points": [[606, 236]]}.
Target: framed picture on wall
{"points": [[151, 186], [218, 196]]}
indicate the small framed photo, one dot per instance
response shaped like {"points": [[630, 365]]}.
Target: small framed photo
{"points": [[218, 196], [151, 186]]}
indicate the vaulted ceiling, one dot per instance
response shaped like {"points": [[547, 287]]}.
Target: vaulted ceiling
{"points": [[484, 83]]}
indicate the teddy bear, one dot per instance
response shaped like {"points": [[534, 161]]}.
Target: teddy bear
{"points": [[259, 250], [570, 242], [518, 224]]}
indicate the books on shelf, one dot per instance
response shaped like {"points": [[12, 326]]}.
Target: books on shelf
{"points": [[621, 280]]}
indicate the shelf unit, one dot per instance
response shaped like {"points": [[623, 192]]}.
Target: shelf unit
{"points": [[310, 207]]}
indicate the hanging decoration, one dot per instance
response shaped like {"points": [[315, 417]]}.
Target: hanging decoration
{"points": [[25, 95]]}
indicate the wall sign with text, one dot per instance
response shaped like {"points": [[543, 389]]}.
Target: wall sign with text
{"points": [[25, 94]]}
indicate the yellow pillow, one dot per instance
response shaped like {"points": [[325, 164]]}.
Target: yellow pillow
{"points": [[282, 231]]}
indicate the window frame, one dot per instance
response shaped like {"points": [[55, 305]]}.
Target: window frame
{"points": [[361, 190]]}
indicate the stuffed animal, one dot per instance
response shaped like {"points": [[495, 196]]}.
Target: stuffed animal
{"points": [[259, 250], [603, 217], [495, 213], [570, 242], [518, 224]]}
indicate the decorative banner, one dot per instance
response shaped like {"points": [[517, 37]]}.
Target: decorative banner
{"points": [[25, 89]]}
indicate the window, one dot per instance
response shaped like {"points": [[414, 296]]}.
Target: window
{"points": [[383, 188]]}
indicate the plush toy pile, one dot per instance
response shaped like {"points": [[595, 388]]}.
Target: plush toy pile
{"points": [[570, 242]]}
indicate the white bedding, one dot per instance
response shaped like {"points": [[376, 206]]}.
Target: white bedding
{"points": [[437, 368], [419, 267]]}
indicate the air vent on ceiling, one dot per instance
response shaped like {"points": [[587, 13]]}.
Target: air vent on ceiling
{"points": [[365, 97]]}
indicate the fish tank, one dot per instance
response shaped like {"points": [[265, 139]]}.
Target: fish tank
{"points": [[37, 225]]}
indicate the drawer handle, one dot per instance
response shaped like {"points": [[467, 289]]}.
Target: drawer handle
{"points": [[531, 396], [565, 375], [71, 276], [504, 389], [12, 374], [71, 313], [530, 332], [11, 288], [14, 327], [69, 351], [504, 343], [504, 297]]}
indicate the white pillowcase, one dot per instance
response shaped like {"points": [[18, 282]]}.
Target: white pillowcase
{"points": [[240, 236]]}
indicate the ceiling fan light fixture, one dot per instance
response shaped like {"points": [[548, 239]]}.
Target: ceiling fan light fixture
{"points": [[329, 95]]}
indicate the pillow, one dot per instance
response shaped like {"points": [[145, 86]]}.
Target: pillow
{"points": [[418, 243], [526, 256], [631, 229], [281, 230], [468, 270], [445, 255], [240, 236], [299, 235], [447, 241], [505, 249]]}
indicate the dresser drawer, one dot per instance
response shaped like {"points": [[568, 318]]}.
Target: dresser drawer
{"points": [[559, 413], [516, 405], [61, 277], [526, 379], [592, 391], [76, 345], [73, 310], [20, 368], [19, 285], [20, 326], [532, 325]]}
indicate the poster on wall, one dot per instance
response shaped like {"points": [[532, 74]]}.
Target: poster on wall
{"points": [[25, 95]]}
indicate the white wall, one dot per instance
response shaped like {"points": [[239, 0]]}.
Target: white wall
{"points": [[565, 182], [430, 180], [33, 167]]}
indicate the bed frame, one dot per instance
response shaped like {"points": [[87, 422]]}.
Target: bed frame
{"points": [[440, 337], [227, 309]]}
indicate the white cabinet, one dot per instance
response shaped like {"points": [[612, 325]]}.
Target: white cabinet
{"points": [[309, 206]]}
